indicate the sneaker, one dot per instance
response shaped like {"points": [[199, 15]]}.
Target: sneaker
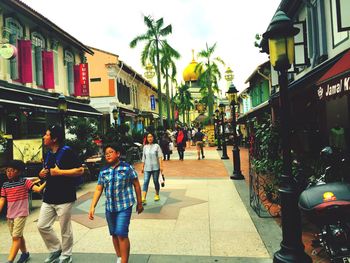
{"points": [[68, 259], [199, 158], [24, 258], [144, 202], [203, 157], [119, 260], [53, 257], [156, 198]]}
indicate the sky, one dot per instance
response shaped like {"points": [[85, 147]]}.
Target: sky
{"points": [[110, 25]]}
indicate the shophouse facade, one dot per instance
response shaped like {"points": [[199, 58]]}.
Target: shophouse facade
{"points": [[116, 85], [38, 62], [318, 82]]}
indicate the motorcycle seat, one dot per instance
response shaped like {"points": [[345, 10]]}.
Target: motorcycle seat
{"points": [[326, 195]]}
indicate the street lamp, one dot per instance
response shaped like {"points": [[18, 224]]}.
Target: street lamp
{"points": [[224, 147], [115, 113], [149, 73], [232, 96], [62, 109], [217, 118], [281, 48], [229, 74]]}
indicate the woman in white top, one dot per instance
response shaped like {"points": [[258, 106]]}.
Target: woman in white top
{"points": [[152, 164]]}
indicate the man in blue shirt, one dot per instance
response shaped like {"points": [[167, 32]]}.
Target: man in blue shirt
{"points": [[118, 179]]}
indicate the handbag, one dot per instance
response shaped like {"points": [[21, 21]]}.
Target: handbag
{"points": [[161, 179], [171, 146]]}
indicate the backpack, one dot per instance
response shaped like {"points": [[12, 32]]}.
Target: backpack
{"points": [[79, 179]]}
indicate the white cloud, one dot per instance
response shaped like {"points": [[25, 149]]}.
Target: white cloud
{"points": [[111, 25]]}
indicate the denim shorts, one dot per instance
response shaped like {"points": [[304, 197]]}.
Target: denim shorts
{"points": [[118, 222]]}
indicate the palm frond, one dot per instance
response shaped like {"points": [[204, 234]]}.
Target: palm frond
{"points": [[165, 31]]}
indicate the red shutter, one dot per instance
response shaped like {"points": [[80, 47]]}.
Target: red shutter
{"points": [[77, 85], [48, 70], [84, 80], [25, 61]]}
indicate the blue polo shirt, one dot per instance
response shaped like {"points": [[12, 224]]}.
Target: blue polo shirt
{"points": [[118, 185]]}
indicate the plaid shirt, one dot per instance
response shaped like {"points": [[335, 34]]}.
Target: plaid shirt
{"points": [[118, 183]]}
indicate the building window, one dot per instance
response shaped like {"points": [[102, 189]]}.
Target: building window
{"points": [[338, 37], [38, 45], [15, 31], [69, 62]]}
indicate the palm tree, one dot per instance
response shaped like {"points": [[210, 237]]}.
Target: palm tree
{"points": [[154, 38], [209, 75], [183, 100], [167, 64]]}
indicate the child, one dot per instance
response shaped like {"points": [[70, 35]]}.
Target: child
{"points": [[15, 193], [117, 178]]}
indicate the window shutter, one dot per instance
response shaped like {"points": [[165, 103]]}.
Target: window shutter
{"points": [[39, 66], [48, 70], [70, 77], [111, 84], [25, 61], [77, 85], [14, 61]]}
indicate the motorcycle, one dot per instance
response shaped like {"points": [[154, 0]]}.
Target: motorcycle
{"points": [[327, 205]]}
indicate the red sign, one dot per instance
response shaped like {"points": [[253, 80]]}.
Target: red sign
{"points": [[82, 81]]}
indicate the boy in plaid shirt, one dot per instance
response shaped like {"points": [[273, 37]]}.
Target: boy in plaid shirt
{"points": [[118, 180], [15, 193]]}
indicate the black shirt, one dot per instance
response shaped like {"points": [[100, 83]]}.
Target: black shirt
{"points": [[61, 189], [198, 137]]}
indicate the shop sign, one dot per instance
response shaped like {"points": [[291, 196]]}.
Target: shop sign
{"points": [[8, 51], [153, 103], [334, 87]]}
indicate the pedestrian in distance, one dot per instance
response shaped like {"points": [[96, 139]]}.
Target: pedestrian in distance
{"points": [[61, 171], [165, 146], [118, 179], [198, 139], [181, 138], [152, 165], [15, 193]]}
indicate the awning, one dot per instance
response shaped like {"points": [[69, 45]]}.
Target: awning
{"points": [[254, 112], [127, 112], [13, 97], [310, 79], [336, 81]]}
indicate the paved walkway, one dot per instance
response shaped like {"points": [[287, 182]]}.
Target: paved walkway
{"points": [[201, 218]]}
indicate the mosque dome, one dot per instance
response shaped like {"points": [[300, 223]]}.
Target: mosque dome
{"points": [[189, 74]]}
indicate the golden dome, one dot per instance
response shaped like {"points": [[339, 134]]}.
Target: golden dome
{"points": [[189, 73]]}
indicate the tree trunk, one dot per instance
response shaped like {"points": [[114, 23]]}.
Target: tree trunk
{"points": [[159, 87], [172, 108], [167, 97]]}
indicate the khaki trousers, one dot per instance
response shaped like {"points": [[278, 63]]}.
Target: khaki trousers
{"points": [[48, 215]]}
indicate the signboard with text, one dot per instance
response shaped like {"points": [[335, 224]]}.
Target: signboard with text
{"points": [[81, 80], [153, 102], [337, 86]]}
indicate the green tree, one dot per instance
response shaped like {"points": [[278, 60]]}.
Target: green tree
{"points": [[84, 131], [183, 100], [169, 71], [155, 41], [209, 75]]}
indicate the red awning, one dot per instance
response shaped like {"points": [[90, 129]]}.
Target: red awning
{"points": [[338, 69]]}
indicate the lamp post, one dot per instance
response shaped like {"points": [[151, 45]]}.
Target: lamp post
{"points": [[232, 96], [280, 36], [217, 118], [115, 113], [62, 109], [149, 73], [224, 147]]}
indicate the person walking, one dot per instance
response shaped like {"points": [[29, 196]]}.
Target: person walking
{"points": [[15, 194], [181, 138], [61, 169], [118, 179], [164, 145], [198, 139], [152, 165]]}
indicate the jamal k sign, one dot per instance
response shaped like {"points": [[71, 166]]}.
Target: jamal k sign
{"points": [[336, 86]]}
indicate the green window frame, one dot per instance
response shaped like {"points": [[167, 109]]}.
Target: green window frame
{"points": [[69, 62], [15, 30], [38, 45]]}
